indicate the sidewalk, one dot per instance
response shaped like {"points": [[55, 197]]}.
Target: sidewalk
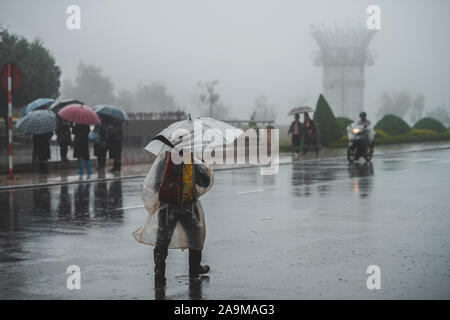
{"points": [[70, 176]]}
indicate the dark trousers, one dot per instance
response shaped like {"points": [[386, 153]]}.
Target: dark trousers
{"points": [[168, 219], [309, 142], [63, 152], [43, 166]]}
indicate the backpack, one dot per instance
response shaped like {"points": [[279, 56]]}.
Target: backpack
{"points": [[94, 136], [178, 182]]}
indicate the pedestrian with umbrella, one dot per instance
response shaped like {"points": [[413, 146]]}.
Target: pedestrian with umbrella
{"points": [[100, 137], [309, 134], [114, 131], [83, 116], [38, 104], [40, 124], [295, 129], [63, 134], [114, 143], [295, 132], [171, 194]]}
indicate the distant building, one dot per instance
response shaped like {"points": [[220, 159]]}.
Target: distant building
{"points": [[343, 55]]}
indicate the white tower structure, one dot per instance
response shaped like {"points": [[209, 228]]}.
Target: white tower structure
{"points": [[343, 54]]}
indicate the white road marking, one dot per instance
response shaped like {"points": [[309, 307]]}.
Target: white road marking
{"points": [[423, 160], [250, 191], [442, 162]]}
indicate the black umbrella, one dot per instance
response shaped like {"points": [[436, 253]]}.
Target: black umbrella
{"points": [[58, 105]]}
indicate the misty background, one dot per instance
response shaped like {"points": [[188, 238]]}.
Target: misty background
{"points": [[158, 55]]}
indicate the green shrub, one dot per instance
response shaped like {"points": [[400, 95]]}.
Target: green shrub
{"points": [[343, 124], [392, 125], [381, 134], [430, 124], [422, 132], [326, 123]]}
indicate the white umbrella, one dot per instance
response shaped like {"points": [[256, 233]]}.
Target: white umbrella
{"points": [[191, 133]]}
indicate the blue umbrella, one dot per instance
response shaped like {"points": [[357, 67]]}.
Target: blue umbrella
{"points": [[37, 122], [36, 104], [111, 111]]}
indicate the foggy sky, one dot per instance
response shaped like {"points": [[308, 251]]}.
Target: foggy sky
{"points": [[252, 47]]}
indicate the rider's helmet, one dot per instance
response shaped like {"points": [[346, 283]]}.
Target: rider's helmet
{"points": [[362, 114]]}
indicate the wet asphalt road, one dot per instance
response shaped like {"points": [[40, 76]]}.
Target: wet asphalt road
{"points": [[308, 232]]}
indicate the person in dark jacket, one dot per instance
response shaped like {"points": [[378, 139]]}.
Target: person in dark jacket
{"points": [[115, 143], [64, 138], [309, 133], [41, 145], [81, 147], [295, 131], [100, 144]]}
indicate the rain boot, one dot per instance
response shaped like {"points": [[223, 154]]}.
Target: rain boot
{"points": [[195, 268], [80, 166], [159, 256], [116, 166], [88, 167]]}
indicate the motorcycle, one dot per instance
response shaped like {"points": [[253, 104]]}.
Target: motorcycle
{"points": [[360, 142]]}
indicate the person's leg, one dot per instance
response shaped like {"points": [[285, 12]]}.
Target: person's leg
{"points": [[80, 166], [166, 226], [100, 163], [41, 167], [117, 164], [316, 147], [44, 164], [101, 159], [195, 267], [191, 225], [63, 152], [88, 167], [305, 145], [87, 161]]}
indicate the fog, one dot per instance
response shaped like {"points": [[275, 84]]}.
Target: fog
{"points": [[253, 47]]}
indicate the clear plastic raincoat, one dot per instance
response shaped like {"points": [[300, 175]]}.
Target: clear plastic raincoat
{"points": [[186, 221]]}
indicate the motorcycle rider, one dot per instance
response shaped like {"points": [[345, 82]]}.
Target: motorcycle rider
{"points": [[363, 120], [366, 123]]}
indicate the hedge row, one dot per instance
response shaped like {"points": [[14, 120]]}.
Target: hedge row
{"points": [[414, 135]]}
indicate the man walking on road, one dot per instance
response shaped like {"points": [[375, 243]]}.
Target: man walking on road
{"points": [[176, 220]]}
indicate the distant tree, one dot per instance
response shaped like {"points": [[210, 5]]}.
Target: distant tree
{"points": [[396, 103], [220, 111], [126, 100], [40, 74], [89, 86], [392, 125], [210, 98], [343, 124], [262, 110], [326, 123], [430, 124], [441, 114], [154, 98], [417, 107]]}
